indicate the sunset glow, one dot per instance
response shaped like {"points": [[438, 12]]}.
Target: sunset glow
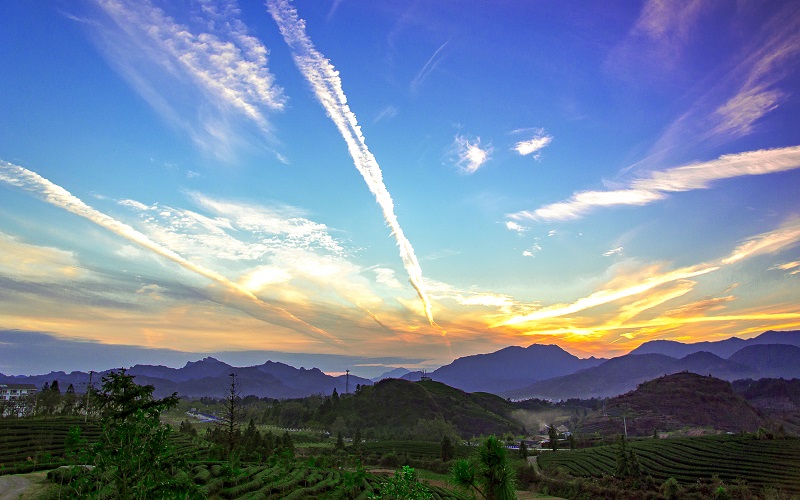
{"points": [[390, 179]]}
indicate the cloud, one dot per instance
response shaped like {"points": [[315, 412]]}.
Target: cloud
{"points": [[584, 202], [645, 190], [387, 113], [613, 251], [767, 243], [760, 71], [219, 69], [532, 251], [387, 277], [792, 267], [326, 84], [517, 228], [36, 263], [428, 68], [470, 155], [248, 302], [786, 236], [538, 142]]}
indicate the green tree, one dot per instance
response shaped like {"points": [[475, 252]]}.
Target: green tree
{"points": [[448, 450], [133, 458], [403, 486], [491, 476], [230, 419], [552, 433], [339, 441], [357, 436], [523, 450]]}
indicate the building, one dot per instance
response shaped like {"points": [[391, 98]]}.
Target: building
{"points": [[16, 391], [14, 399]]}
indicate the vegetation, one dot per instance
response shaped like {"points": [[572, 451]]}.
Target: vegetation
{"points": [[135, 453], [489, 474], [758, 462]]}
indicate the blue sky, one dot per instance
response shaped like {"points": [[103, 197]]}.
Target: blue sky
{"points": [[415, 180]]}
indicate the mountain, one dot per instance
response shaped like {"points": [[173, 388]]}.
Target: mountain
{"points": [[510, 368], [624, 373], [396, 373], [674, 402], [210, 377], [771, 360], [723, 348]]}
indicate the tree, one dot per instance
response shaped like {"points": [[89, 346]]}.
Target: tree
{"points": [[628, 465], [357, 436], [552, 433], [491, 476], [403, 486], [133, 458], [230, 419], [339, 441], [523, 450], [448, 450]]}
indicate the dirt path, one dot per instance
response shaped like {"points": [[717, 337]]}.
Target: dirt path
{"points": [[21, 486]]}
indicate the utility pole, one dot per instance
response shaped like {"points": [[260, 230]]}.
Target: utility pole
{"points": [[88, 395], [347, 382]]}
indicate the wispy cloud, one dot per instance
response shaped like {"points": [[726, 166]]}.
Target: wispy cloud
{"points": [[685, 178], [60, 197], [539, 141], [613, 251], [470, 156], [387, 113], [326, 84], [786, 236], [428, 67], [218, 59], [762, 70]]}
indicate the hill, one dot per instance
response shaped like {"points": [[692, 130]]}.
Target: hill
{"points": [[674, 402], [396, 407]]}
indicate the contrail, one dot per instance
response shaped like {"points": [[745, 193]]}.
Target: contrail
{"points": [[327, 85], [60, 197]]}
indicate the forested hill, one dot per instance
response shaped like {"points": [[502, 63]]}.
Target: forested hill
{"points": [[395, 408], [673, 402]]}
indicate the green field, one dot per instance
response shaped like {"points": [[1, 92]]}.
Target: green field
{"points": [[29, 444], [293, 481], [731, 458]]}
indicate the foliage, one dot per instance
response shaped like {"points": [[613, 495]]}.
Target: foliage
{"points": [[403, 486], [691, 459], [448, 450], [490, 475], [133, 457], [552, 433], [523, 450]]}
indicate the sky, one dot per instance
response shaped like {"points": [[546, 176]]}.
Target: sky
{"points": [[394, 183]]}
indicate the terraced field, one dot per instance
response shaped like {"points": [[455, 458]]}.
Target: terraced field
{"points": [[28, 444], [418, 450], [758, 462], [294, 481]]}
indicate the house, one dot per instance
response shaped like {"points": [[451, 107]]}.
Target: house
{"points": [[13, 399], [16, 391]]}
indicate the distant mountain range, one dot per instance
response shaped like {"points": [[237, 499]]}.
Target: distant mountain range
{"points": [[210, 377], [753, 360], [536, 371]]}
